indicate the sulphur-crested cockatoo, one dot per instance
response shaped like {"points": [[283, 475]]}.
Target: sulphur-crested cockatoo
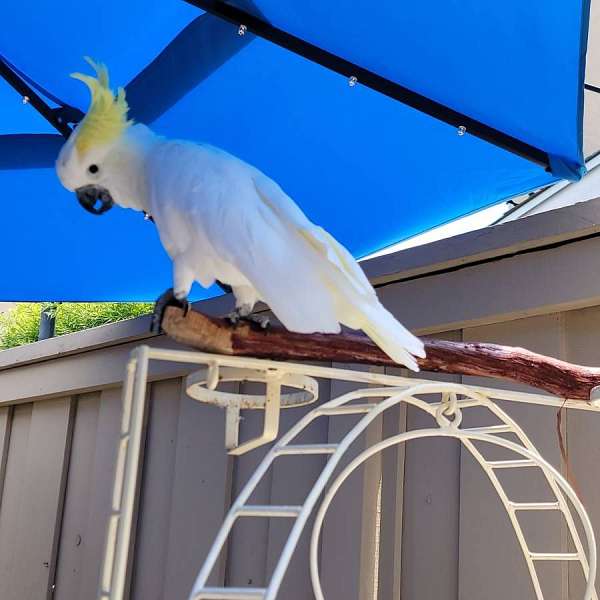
{"points": [[221, 219]]}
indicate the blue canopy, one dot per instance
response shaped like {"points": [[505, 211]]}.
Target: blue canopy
{"points": [[380, 119]]}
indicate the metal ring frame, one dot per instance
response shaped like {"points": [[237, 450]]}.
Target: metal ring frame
{"points": [[201, 385], [447, 412], [453, 432]]}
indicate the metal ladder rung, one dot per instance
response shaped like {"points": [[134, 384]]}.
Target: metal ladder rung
{"points": [[307, 449], [554, 556], [348, 409], [535, 505], [512, 464], [214, 593], [490, 429], [264, 510]]}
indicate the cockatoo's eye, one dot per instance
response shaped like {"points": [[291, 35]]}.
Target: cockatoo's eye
{"points": [[93, 169]]}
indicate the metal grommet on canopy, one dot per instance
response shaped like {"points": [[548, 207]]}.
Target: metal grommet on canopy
{"points": [[202, 386]]}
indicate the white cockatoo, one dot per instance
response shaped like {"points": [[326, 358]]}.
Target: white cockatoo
{"points": [[221, 219]]}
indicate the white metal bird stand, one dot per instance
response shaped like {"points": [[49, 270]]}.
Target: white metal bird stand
{"points": [[382, 392]]}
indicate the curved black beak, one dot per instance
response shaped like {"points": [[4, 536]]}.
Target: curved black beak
{"points": [[94, 199]]}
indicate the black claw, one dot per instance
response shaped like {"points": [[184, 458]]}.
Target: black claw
{"points": [[263, 321], [166, 299], [235, 318], [225, 287]]}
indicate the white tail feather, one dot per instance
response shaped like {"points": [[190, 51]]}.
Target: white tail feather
{"points": [[392, 337]]}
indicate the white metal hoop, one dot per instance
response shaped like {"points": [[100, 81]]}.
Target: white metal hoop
{"points": [[201, 385], [198, 387], [454, 432]]}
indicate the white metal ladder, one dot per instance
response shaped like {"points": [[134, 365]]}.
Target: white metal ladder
{"points": [[300, 514]]}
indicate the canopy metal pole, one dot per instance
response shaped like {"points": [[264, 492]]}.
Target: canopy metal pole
{"points": [[31, 97], [357, 74]]}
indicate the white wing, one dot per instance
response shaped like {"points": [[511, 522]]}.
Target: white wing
{"points": [[219, 212]]}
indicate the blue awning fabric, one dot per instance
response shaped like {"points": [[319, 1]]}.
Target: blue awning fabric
{"points": [[367, 167]]}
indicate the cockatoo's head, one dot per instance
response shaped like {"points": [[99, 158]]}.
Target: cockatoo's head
{"points": [[87, 162]]}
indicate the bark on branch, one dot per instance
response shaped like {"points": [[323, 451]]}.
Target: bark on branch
{"points": [[211, 334]]}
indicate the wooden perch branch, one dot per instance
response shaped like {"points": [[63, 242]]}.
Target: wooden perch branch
{"points": [[211, 334]]}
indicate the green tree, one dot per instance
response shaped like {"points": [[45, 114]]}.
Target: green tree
{"points": [[20, 325]]}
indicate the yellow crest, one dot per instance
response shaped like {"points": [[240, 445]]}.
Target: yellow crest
{"points": [[106, 118]]}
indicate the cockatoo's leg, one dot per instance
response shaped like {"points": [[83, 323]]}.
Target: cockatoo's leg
{"points": [[183, 279], [245, 299]]}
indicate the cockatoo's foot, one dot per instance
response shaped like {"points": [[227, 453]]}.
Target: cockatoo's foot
{"points": [[241, 314], [164, 300]]}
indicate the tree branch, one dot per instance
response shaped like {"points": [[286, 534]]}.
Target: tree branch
{"points": [[211, 334]]}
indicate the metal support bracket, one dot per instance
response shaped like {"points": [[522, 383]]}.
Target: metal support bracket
{"points": [[30, 96], [356, 74], [595, 396]]}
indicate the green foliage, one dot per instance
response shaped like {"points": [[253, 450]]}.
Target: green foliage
{"points": [[20, 325]]}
